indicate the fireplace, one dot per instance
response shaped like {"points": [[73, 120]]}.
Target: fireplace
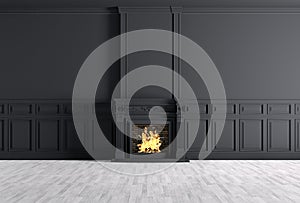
{"points": [[171, 145], [150, 139], [159, 134]]}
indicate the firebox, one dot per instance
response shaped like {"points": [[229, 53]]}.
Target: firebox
{"points": [[147, 137], [150, 139], [154, 138]]}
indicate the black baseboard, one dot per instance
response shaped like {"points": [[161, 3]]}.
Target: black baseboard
{"points": [[43, 156], [247, 156]]}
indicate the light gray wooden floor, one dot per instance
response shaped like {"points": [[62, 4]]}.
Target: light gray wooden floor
{"points": [[197, 181]]}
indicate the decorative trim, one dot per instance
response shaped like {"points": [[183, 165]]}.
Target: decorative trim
{"points": [[176, 62], [124, 60], [92, 4], [60, 11], [133, 9], [193, 155], [176, 9], [241, 10], [251, 109], [188, 9], [277, 109], [297, 135], [142, 10], [2, 133]]}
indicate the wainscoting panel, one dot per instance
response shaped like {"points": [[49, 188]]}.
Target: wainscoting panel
{"points": [[297, 135], [251, 109], [274, 109], [279, 135], [48, 134], [231, 108], [72, 142], [20, 135], [203, 108], [108, 130], [297, 109], [2, 109], [47, 131], [38, 129], [20, 109], [203, 129], [228, 138], [2, 128], [251, 135], [48, 109]]}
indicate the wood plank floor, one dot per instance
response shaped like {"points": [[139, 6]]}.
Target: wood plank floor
{"points": [[197, 181]]}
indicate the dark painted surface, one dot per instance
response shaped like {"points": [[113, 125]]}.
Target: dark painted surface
{"points": [[228, 138], [251, 135], [20, 135], [2, 134], [111, 3], [257, 55], [41, 54], [136, 21], [279, 135], [48, 134]]}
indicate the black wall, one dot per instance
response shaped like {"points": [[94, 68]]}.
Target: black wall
{"points": [[42, 53], [255, 47]]}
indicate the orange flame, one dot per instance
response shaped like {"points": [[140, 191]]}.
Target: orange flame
{"points": [[150, 142]]}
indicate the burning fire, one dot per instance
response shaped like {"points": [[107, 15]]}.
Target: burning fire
{"points": [[150, 142]]}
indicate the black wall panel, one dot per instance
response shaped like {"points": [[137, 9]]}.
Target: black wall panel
{"points": [[279, 135], [72, 142], [227, 141], [20, 109], [2, 128], [20, 135], [48, 135], [297, 135], [203, 130], [251, 135]]}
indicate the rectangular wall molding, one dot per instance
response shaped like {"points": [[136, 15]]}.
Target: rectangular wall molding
{"points": [[279, 109], [297, 135], [227, 141], [2, 133], [251, 109], [71, 139], [48, 134], [20, 109], [251, 135], [20, 135], [279, 135], [2, 109], [48, 109]]}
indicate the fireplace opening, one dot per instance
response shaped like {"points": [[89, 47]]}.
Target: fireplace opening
{"points": [[149, 139]]}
